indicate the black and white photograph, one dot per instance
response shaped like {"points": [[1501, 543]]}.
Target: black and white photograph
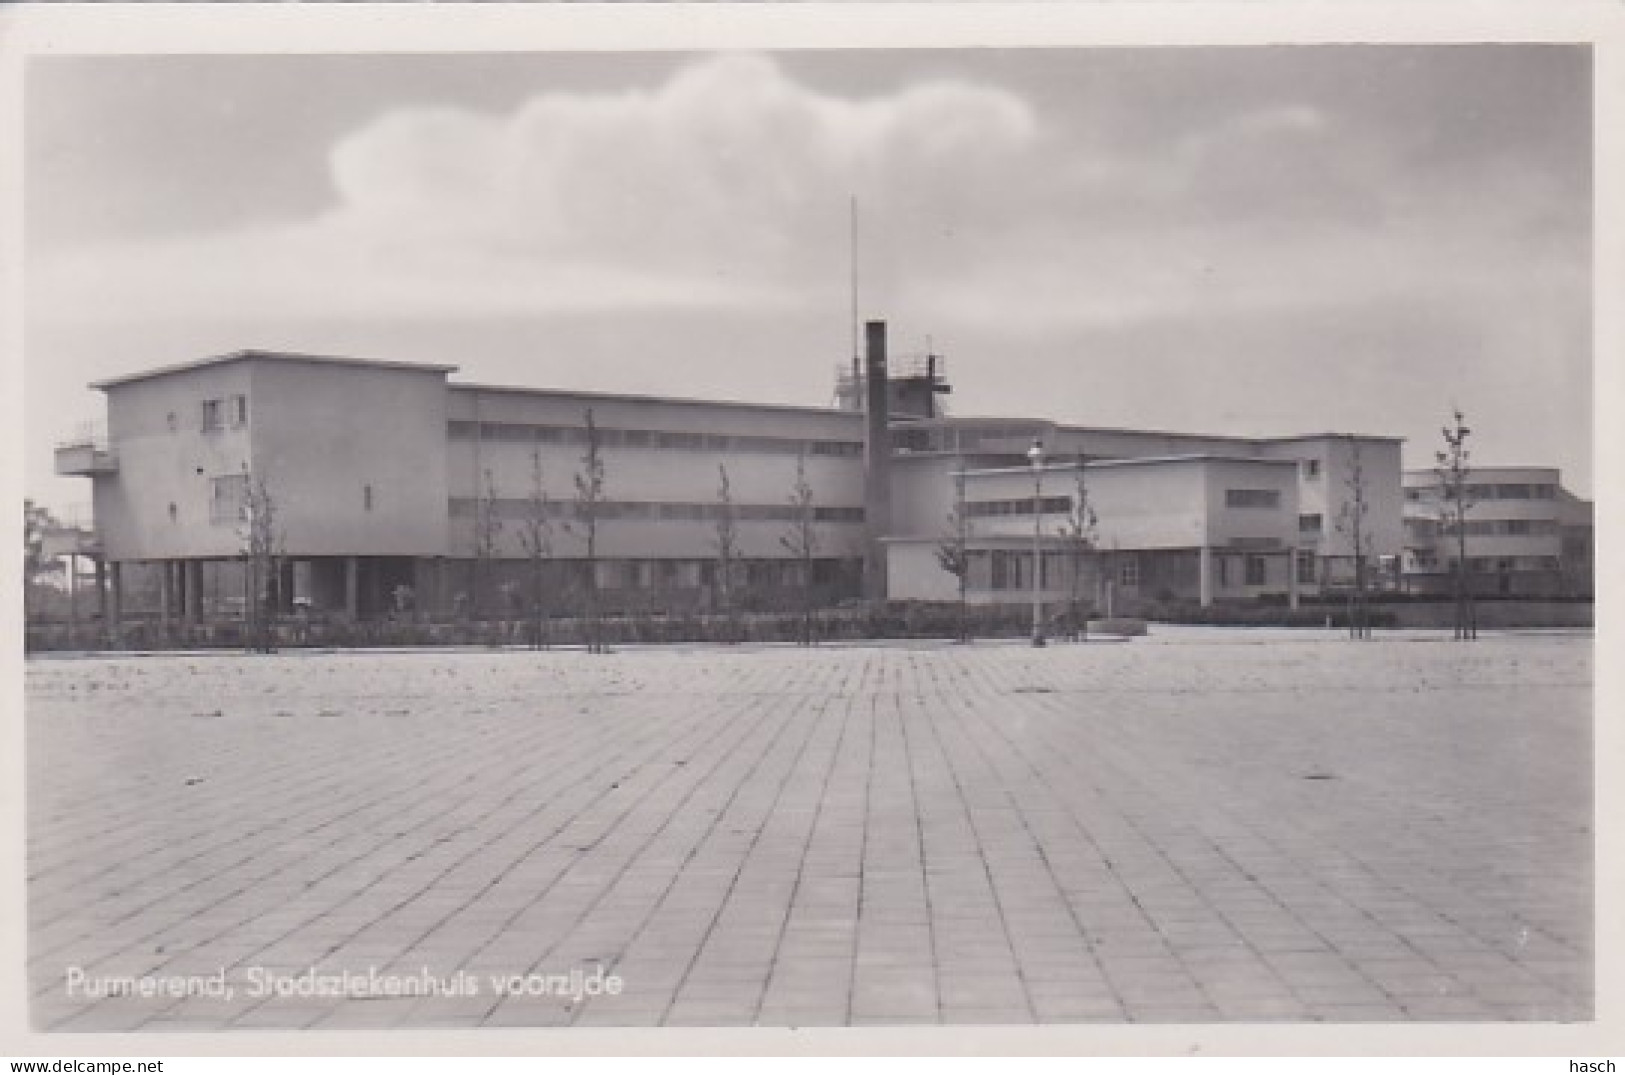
{"points": [[1065, 534]]}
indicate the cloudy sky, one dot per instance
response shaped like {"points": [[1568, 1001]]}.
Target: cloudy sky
{"points": [[1260, 240]]}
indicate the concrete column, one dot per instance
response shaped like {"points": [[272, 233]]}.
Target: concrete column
{"points": [[101, 590], [1292, 578], [166, 591], [352, 587], [1204, 573], [193, 589], [73, 598], [115, 599], [425, 585]]}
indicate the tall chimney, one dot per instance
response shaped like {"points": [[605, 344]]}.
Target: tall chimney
{"points": [[876, 463]]}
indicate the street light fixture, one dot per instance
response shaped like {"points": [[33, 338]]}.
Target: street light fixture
{"points": [[1035, 455]]}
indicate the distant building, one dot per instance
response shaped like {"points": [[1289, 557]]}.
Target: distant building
{"points": [[1526, 535], [1181, 518], [385, 477]]}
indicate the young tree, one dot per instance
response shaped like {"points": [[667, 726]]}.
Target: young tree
{"points": [[1081, 536], [39, 594], [801, 541], [1353, 523], [1452, 470], [953, 551], [589, 483], [262, 561], [726, 544], [487, 532], [36, 521], [536, 538]]}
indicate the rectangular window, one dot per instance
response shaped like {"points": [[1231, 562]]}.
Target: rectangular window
{"points": [[1001, 570], [1252, 498], [366, 497], [1309, 524], [1224, 570], [227, 495], [213, 415], [1306, 567], [239, 411], [1311, 469], [1049, 505], [1256, 571], [1055, 565], [1128, 572]]}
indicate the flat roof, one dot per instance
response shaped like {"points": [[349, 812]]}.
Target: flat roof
{"points": [[949, 420], [1211, 457], [1328, 436], [1479, 473], [944, 421], [1146, 460], [252, 354], [684, 401]]}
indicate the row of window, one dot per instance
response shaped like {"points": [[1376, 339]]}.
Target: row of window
{"points": [[512, 578], [1061, 505], [976, 441], [1252, 498], [682, 574], [1010, 569], [1049, 505], [1427, 561], [517, 508], [1488, 491], [218, 412], [229, 493], [1503, 527], [664, 440], [1254, 570]]}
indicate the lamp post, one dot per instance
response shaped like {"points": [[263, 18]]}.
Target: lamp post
{"points": [[1035, 455]]}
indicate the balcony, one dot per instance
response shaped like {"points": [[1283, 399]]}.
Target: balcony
{"points": [[85, 458], [70, 541]]}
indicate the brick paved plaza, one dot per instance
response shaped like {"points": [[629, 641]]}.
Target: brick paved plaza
{"points": [[1198, 826]]}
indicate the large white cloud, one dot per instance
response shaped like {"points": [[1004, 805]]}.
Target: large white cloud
{"points": [[727, 185]]}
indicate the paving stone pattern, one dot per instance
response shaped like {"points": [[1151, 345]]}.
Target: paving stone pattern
{"points": [[1200, 826]]}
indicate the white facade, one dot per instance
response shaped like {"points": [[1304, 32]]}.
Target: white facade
{"points": [[388, 475], [1524, 533], [1201, 528]]}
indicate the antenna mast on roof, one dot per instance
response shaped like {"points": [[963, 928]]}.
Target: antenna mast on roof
{"points": [[856, 354], [849, 383]]}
